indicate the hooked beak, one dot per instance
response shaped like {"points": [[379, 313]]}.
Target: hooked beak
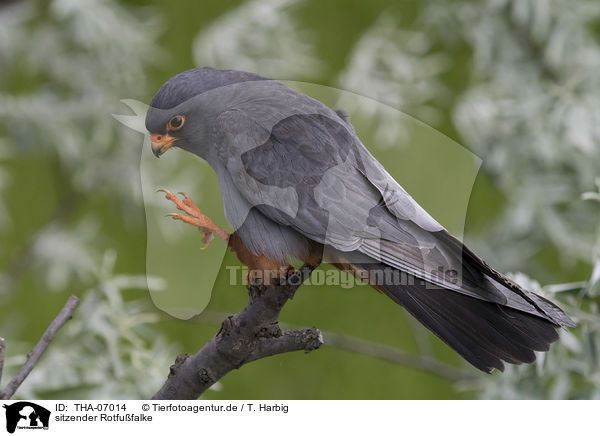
{"points": [[161, 143]]}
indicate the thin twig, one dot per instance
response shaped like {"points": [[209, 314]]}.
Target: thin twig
{"points": [[32, 358], [371, 349], [391, 354], [2, 353], [563, 287]]}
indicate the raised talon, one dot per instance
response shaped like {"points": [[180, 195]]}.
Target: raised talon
{"points": [[196, 222], [186, 205], [196, 218], [207, 239], [187, 201]]}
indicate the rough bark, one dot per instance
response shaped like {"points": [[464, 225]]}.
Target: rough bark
{"points": [[251, 334]]}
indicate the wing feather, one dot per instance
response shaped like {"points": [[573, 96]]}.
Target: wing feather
{"points": [[311, 173]]}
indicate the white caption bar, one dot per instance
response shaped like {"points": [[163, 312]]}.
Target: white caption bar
{"points": [[297, 417]]}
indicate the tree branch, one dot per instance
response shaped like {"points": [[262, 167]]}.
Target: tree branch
{"points": [[32, 358], [251, 334], [373, 349]]}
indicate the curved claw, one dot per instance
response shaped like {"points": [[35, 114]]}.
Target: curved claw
{"points": [[194, 216], [207, 239], [168, 194]]}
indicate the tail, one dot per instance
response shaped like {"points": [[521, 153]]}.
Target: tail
{"points": [[483, 333]]}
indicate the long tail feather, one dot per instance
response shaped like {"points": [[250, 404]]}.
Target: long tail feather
{"points": [[484, 333]]}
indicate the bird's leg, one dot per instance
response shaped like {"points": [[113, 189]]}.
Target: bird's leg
{"points": [[261, 269], [196, 218]]}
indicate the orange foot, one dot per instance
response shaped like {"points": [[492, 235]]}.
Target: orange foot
{"points": [[196, 218]]}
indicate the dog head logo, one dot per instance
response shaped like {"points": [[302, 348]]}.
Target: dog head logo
{"points": [[24, 414]]}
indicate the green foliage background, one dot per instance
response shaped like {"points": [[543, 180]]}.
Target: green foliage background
{"points": [[514, 82]]}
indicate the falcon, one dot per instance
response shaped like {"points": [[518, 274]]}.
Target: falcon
{"points": [[298, 184]]}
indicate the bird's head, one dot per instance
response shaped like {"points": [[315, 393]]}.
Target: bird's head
{"points": [[166, 128], [179, 115]]}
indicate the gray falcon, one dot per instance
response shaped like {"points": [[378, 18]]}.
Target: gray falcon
{"points": [[297, 183]]}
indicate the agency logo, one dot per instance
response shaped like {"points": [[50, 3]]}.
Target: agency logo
{"points": [[26, 415]]}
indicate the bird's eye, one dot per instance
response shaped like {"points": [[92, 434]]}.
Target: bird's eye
{"points": [[176, 122]]}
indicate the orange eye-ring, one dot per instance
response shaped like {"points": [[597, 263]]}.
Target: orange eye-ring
{"points": [[176, 122]]}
